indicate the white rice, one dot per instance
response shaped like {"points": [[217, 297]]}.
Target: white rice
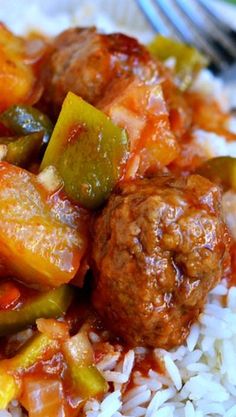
{"points": [[212, 145], [54, 16], [200, 377]]}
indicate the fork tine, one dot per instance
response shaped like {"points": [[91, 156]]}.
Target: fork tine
{"points": [[214, 16], [153, 18], [181, 21], [172, 19], [216, 34]]}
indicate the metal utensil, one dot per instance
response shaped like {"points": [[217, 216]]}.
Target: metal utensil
{"points": [[196, 23]]}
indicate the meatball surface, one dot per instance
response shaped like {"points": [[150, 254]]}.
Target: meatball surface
{"points": [[86, 62], [159, 246]]}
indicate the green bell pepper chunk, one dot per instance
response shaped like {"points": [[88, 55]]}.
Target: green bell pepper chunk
{"points": [[23, 120], [189, 60], [221, 170], [88, 150], [88, 381], [22, 150], [30, 353], [51, 304]]}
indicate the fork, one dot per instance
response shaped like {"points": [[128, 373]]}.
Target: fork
{"points": [[196, 23]]}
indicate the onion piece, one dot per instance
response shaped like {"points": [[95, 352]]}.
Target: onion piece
{"points": [[50, 179], [43, 397], [3, 152], [53, 328], [87, 380], [78, 350]]}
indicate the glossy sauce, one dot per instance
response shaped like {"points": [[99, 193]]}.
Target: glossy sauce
{"points": [[180, 116]]}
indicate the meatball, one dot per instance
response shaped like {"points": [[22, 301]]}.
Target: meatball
{"points": [[86, 62], [159, 246]]}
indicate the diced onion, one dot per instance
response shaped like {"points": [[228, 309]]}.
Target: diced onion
{"points": [[53, 328], [43, 397], [3, 152], [78, 350], [50, 179]]}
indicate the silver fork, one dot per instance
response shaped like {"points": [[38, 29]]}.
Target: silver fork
{"points": [[196, 23]]}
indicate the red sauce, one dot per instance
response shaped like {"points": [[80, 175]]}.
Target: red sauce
{"points": [[149, 361], [52, 364], [13, 294], [144, 364], [5, 131], [74, 133], [184, 112], [203, 107]]}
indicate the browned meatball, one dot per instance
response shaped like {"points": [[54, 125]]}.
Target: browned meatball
{"points": [[86, 62], [159, 246]]}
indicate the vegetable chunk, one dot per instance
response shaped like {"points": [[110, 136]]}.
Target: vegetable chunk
{"points": [[43, 236], [44, 397], [53, 303], [188, 60], [221, 170], [25, 119], [17, 79], [31, 129], [22, 150], [87, 380], [29, 354], [140, 108], [88, 150]]}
